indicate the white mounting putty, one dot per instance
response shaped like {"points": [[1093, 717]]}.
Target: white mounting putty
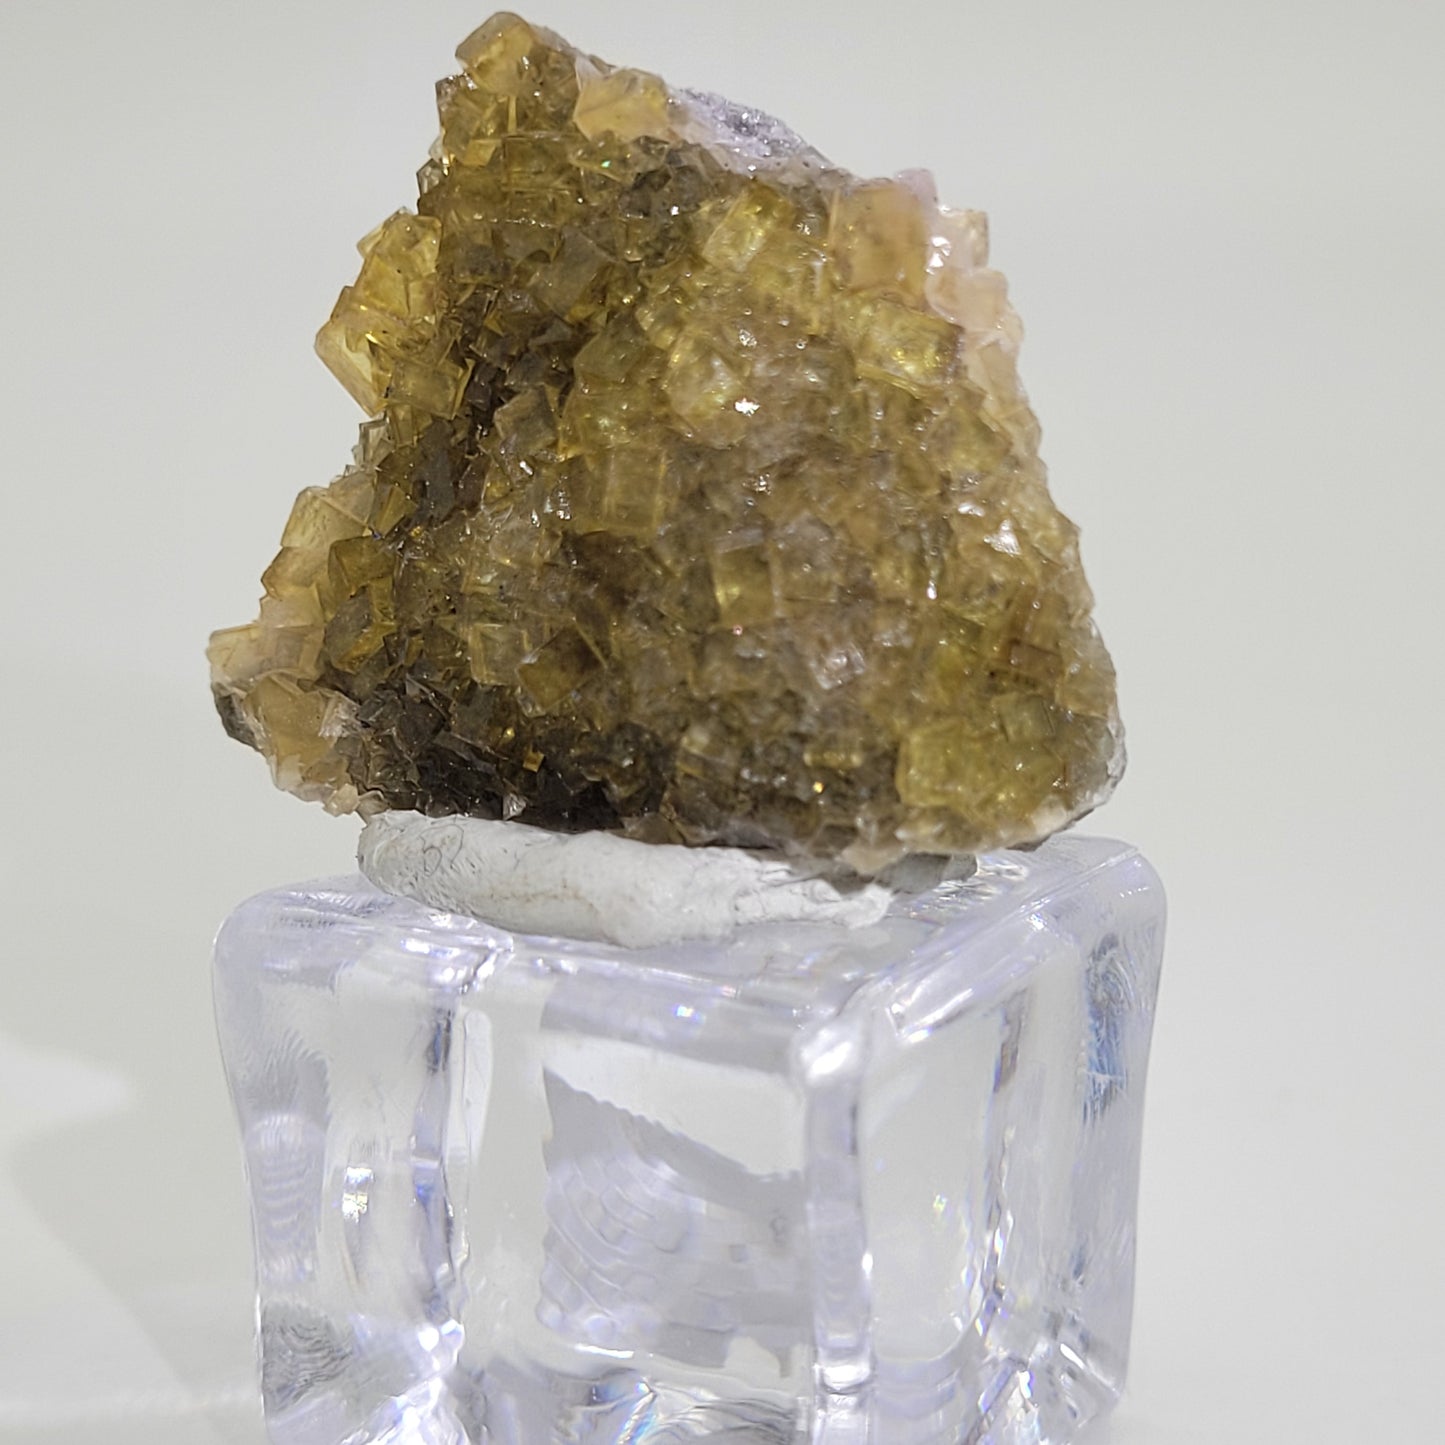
{"points": [[597, 886]]}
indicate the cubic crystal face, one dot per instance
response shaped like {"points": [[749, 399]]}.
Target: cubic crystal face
{"points": [[798, 1184], [692, 455]]}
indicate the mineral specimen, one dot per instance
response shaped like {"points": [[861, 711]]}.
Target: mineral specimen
{"points": [[701, 500]]}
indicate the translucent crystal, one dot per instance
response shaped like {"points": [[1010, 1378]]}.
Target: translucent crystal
{"points": [[678, 427], [804, 1183]]}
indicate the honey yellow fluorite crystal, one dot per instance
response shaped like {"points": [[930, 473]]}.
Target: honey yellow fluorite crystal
{"points": [[701, 500]]}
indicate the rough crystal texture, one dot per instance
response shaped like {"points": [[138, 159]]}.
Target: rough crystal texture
{"points": [[701, 500], [869, 1186]]}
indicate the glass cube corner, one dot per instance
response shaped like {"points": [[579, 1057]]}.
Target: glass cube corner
{"points": [[803, 1184]]}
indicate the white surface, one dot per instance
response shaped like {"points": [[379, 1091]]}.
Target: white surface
{"points": [[1223, 225], [595, 886]]}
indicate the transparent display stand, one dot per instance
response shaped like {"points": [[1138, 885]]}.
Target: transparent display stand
{"points": [[805, 1183]]}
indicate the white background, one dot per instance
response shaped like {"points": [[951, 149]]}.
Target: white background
{"points": [[1223, 226]]}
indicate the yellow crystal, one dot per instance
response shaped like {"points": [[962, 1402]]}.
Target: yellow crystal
{"points": [[702, 501], [627, 103]]}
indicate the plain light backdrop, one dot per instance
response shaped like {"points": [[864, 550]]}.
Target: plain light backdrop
{"points": [[1224, 229]]}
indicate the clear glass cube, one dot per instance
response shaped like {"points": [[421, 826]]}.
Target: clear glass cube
{"points": [[873, 1186]]}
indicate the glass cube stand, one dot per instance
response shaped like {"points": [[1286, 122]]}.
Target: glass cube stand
{"points": [[804, 1183]]}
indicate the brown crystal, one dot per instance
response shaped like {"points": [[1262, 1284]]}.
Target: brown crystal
{"points": [[701, 501]]}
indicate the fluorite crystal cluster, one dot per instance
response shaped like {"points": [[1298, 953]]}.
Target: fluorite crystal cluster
{"points": [[700, 501]]}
